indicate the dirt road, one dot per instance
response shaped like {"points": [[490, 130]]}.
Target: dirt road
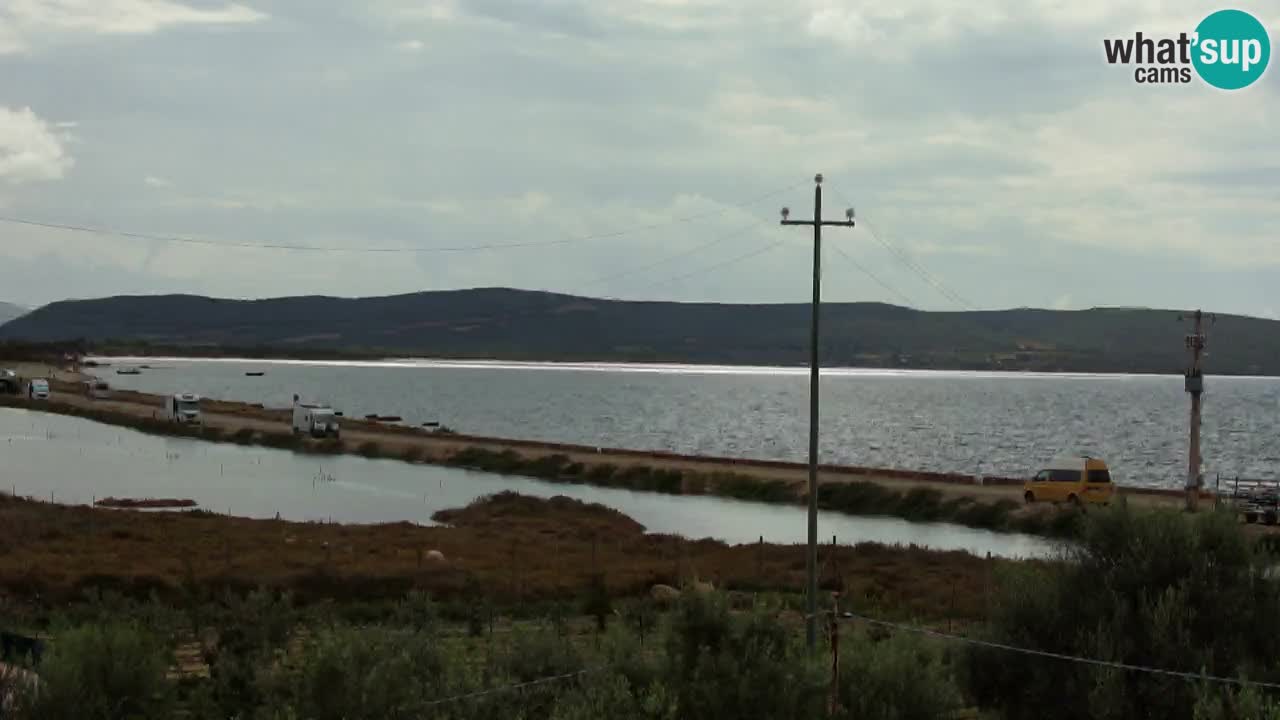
{"points": [[400, 441]]}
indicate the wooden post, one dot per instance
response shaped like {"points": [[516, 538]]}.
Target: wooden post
{"points": [[512, 569], [951, 612], [834, 699], [760, 562], [986, 586]]}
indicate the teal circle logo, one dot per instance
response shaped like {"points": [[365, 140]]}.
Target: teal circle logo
{"points": [[1231, 49]]}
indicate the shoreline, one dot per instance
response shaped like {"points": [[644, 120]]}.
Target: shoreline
{"points": [[910, 495], [656, 366]]}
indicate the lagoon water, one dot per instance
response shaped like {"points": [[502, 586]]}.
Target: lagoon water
{"points": [[993, 423], [72, 460]]}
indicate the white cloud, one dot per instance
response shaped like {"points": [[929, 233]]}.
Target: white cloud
{"points": [[530, 203], [30, 149], [156, 182], [989, 139], [25, 23]]}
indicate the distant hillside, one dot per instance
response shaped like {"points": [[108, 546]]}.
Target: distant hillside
{"points": [[516, 324], [9, 311]]}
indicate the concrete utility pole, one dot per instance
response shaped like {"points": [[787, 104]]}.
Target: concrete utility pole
{"points": [[1195, 386], [811, 560]]}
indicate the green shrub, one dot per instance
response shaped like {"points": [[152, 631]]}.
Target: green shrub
{"points": [[753, 666], [610, 695], [348, 673], [1157, 589], [281, 440], [601, 474], [548, 467], [101, 672], [898, 678], [668, 481], [746, 487]]}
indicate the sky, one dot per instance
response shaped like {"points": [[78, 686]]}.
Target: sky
{"points": [[637, 149]]}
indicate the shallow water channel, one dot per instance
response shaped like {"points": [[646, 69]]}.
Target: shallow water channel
{"points": [[73, 460]]}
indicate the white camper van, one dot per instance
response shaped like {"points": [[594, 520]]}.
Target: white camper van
{"points": [[182, 408], [38, 389], [97, 389], [314, 419]]}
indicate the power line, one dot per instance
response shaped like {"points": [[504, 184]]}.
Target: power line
{"points": [[298, 247], [1057, 656], [914, 265], [676, 256], [875, 278], [716, 266]]}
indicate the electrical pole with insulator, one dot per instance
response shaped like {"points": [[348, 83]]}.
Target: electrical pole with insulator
{"points": [[811, 556]]}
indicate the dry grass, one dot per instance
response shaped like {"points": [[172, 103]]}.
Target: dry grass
{"points": [[508, 549]]}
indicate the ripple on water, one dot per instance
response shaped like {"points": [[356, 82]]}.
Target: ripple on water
{"points": [[953, 422]]}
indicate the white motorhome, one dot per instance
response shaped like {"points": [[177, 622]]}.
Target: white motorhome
{"points": [[97, 389], [314, 419], [182, 408], [38, 389]]}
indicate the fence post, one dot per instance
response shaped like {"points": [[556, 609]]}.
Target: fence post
{"points": [[951, 612], [760, 562], [986, 586]]}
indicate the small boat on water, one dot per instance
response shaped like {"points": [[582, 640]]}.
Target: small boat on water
{"points": [[128, 371], [254, 374]]}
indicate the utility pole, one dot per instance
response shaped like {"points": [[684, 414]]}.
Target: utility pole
{"points": [[1195, 343], [811, 560]]}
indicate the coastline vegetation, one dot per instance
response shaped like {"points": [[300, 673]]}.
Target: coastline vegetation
{"points": [[1149, 614]]}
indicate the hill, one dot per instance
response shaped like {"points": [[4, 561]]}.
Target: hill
{"points": [[9, 311], [527, 325]]}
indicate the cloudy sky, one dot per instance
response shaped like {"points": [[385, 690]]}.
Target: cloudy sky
{"points": [[630, 148]]}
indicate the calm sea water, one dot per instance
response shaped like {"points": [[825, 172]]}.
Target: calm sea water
{"points": [[993, 423], [71, 460]]}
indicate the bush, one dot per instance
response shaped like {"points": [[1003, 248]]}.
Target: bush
{"points": [[548, 467], [370, 449], [347, 673], [601, 474], [279, 440], [745, 487], [1156, 589], [899, 678], [100, 672], [719, 666], [610, 695]]}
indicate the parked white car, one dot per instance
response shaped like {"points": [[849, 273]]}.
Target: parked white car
{"points": [[38, 389]]}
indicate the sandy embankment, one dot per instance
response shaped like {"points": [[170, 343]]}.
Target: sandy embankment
{"points": [[396, 440]]}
